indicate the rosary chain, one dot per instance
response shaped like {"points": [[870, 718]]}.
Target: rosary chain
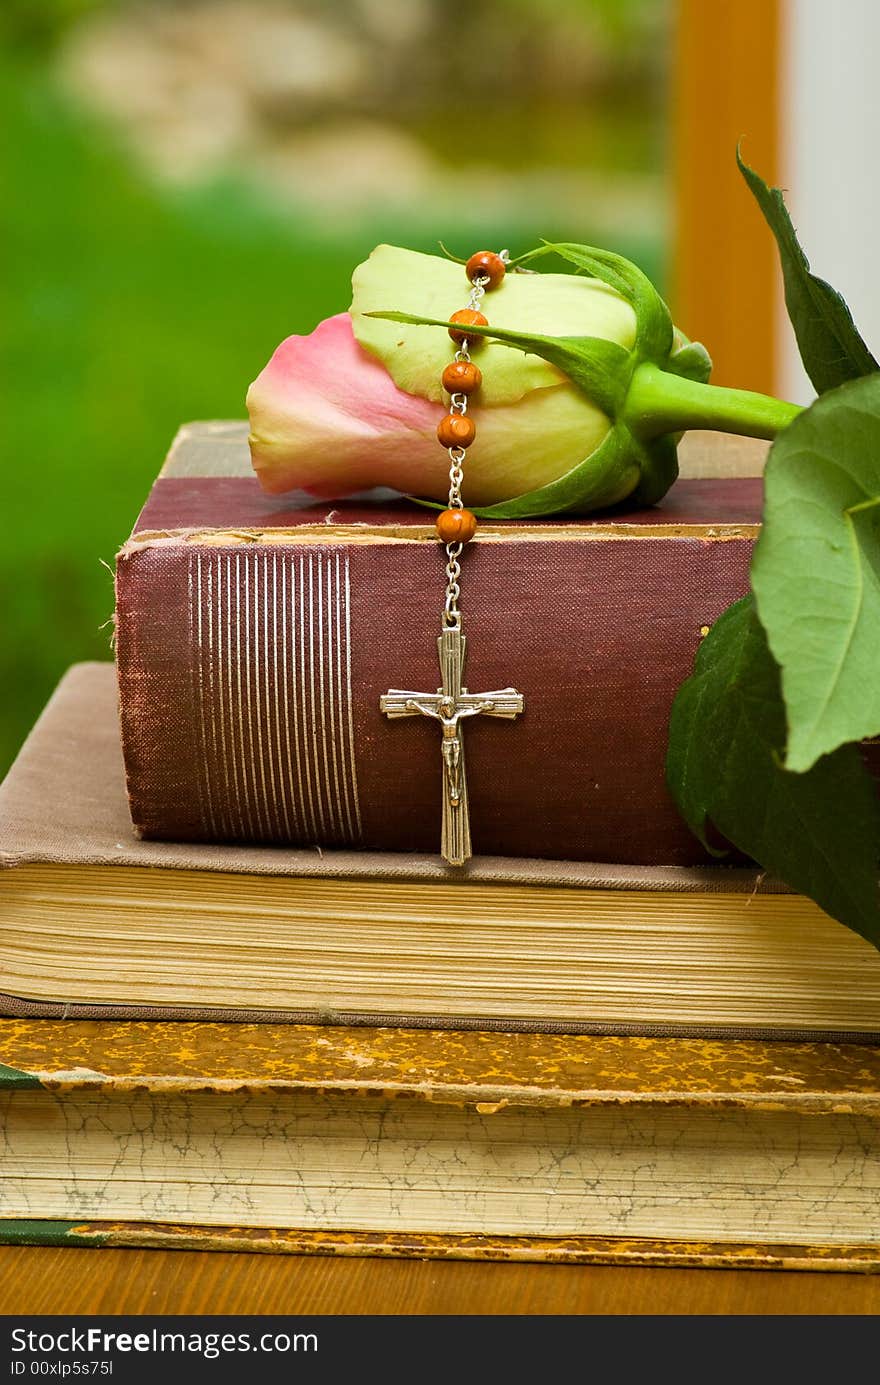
{"points": [[451, 613], [458, 404]]}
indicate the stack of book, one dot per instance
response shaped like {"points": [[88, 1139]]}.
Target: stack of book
{"points": [[247, 1003]]}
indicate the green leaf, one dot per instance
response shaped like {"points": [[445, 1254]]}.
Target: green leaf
{"points": [[831, 349], [600, 368], [819, 831], [816, 570]]}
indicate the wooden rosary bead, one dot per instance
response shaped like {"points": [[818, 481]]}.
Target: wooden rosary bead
{"points": [[456, 430], [485, 264], [461, 377], [466, 317], [456, 526]]}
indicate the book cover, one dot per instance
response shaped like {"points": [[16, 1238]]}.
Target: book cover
{"points": [[94, 921], [391, 1142], [256, 635]]}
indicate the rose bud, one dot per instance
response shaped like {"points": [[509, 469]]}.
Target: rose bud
{"points": [[586, 389]]}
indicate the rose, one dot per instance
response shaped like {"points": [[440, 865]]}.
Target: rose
{"points": [[348, 407], [585, 413]]}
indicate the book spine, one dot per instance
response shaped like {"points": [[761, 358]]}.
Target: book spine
{"points": [[250, 676]]}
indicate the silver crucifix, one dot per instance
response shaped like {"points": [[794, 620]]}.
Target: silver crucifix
{"points": [[449, 705]]}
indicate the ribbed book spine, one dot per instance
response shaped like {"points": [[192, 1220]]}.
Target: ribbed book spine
{"points": [[270, 652], [251, 675]]}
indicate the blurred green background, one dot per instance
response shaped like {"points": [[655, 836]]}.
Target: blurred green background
{"points": [[188, 183]]}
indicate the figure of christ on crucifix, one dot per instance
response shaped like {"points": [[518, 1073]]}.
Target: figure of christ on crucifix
{"points": [[449, 706]]}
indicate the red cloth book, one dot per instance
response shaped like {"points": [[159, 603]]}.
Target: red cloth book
{"points": [[255, 635]]}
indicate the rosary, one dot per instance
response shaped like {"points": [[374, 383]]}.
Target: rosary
{"points": [[456, 526]]}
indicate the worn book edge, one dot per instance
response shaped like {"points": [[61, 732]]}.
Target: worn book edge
{"points": [[569, 1250], [418, 534], [483, 1069]]}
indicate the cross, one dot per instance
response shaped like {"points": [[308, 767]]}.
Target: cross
{"points": [[449, 705]]}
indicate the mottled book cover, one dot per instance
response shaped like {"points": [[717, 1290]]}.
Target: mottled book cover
{"points": [[487, 1146]]}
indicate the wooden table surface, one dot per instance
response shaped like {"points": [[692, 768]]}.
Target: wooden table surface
{"points": [[43, 1280]]}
